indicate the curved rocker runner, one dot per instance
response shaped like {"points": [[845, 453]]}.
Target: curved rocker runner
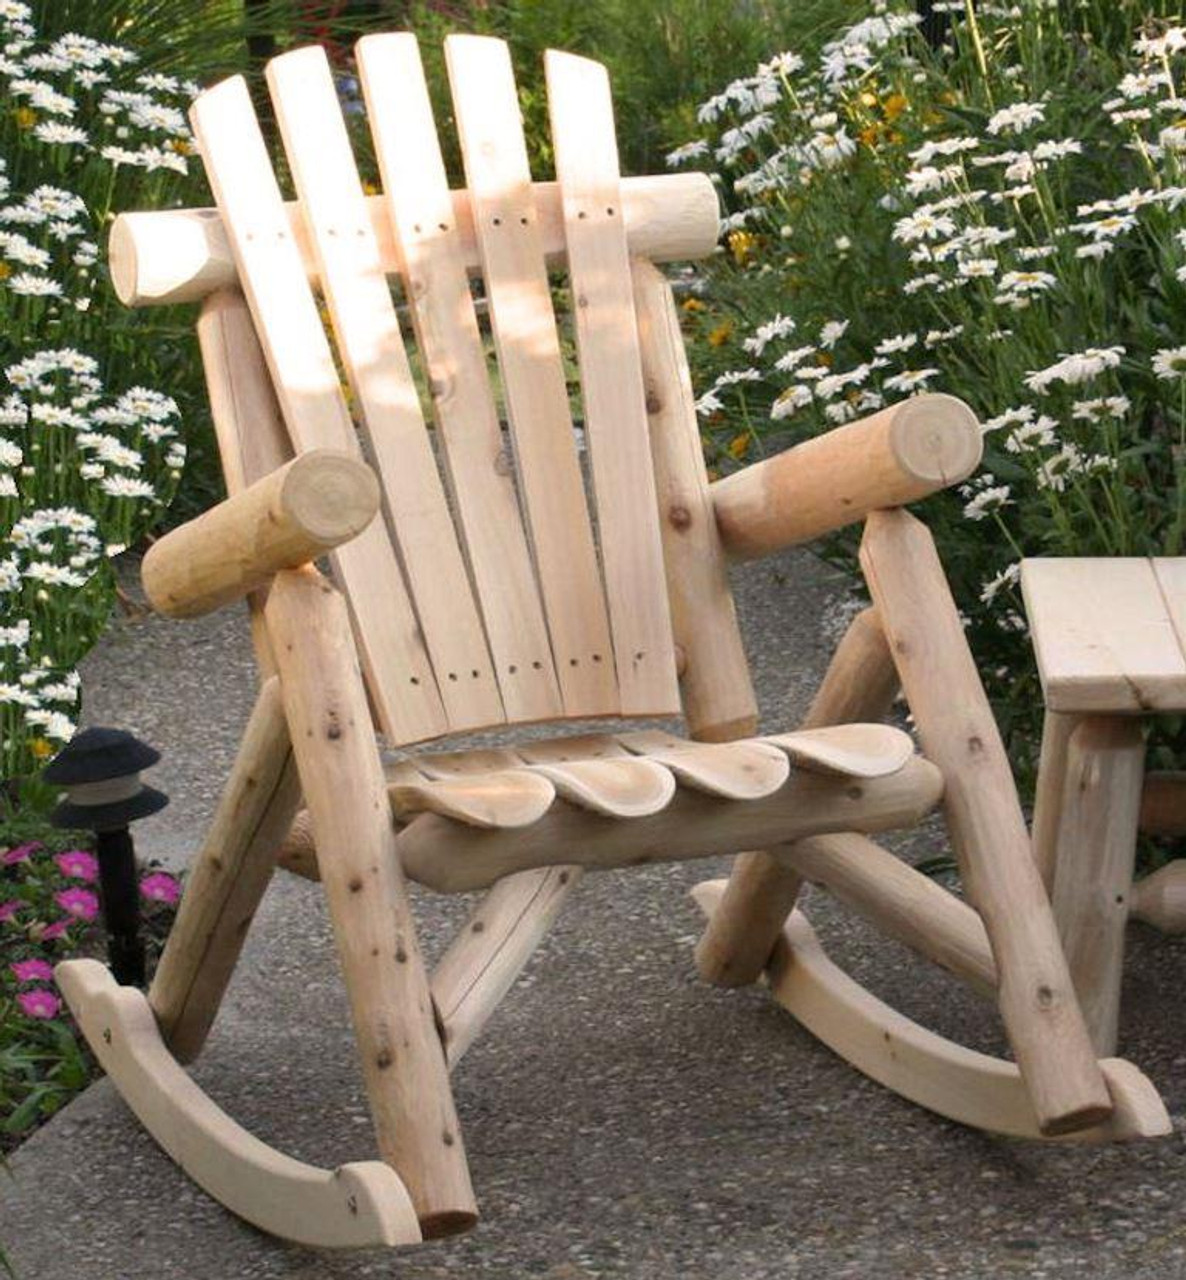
{"points": [[468, 591]]}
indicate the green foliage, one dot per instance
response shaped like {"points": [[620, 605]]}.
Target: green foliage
{"points": [[1001, 219]]}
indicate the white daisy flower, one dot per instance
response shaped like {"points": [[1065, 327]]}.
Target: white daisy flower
{"points": [[1170, 363], [1075, 368], [910, 380], [1016, 118], [986, 501], [793, 398]]}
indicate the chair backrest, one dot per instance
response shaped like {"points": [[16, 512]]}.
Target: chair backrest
{"points": [[491, 593]]}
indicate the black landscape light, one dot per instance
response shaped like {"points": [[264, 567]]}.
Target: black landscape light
{"points": [[99, 771]]}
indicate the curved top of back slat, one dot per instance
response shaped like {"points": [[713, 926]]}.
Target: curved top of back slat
{"points": [[499, 600]]}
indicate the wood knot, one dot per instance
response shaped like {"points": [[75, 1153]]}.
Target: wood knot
{"points": [[401, 955], [654, 403], [383, 1059], [355, 885], [975, 745], [503, 466], [679, 517], [478, 927], [1045, 997]]}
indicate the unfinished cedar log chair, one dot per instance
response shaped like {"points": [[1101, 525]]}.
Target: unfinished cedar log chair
{"points": [[483, 597]]}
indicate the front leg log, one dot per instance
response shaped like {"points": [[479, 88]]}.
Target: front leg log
{"points": [[342, 778], [227, 880], [748, 921], [988, 832]]}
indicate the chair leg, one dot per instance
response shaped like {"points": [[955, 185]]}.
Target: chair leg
{"points": [[1057, 728], [860, 684], [988, 832], [341, 773], [227, 880], [1095, 847]]}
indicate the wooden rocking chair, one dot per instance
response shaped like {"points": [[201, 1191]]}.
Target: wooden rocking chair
{"points": [[489, 598]]}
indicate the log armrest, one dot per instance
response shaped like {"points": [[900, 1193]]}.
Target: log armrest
{"points": [[300, 511], [893, 457]]}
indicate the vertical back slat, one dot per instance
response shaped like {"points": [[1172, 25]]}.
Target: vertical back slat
{"points": [[612, 388], [391, 647], [528, 346], [372, 352], [433, 267]]}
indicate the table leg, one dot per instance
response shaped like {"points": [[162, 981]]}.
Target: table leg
{"points": [[1094, 846]]}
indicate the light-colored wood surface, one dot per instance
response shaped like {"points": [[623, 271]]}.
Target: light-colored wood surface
{"points": [[1160, 898], [900, 901], [1057, 727], [333, 741], [634, 788], [893, 457], [860, 684], [227, 879], [1103, 635], [1096, 848], [309, 506], [432, 265], [355, 1206], [248, 425], [732, 770], [305, 378], [1163, 804], [491, 948], [965, 1086], [984, 818], [165, 256], [452, 858], [852, 750], [371, 349], [508, 798], [615, 418], [528, 346], [718, 694]]}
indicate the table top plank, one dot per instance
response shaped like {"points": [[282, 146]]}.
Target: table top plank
{"points": [[1106, 636]]}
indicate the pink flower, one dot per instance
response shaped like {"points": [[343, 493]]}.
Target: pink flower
{"points": [[78, 864], [78, 902], [160, 887], [39, 1003], [10, 857], [33, 970], [10, 908], [55, 930]]}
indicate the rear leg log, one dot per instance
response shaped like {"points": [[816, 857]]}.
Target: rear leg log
{"points": [[342, 777], [227, 880], [861, 684]]}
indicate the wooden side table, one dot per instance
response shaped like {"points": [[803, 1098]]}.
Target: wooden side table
{"points": [[1110, 640]]}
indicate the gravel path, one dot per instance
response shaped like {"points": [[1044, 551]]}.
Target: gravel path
{"points": [[621, 1119]]}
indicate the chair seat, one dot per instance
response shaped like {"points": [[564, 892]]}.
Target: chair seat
{"points": [[630, 775], [1109, 634]]}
